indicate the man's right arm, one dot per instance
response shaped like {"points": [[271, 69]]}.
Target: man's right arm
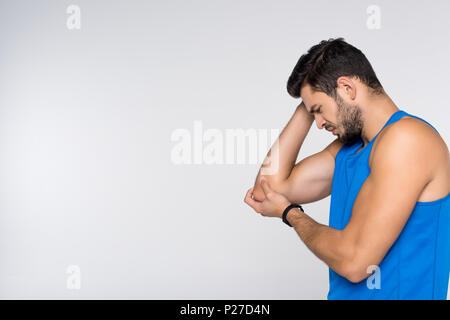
{"points": [[310, 179]]}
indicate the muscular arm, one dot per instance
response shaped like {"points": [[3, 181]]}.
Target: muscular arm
{"points": [[399, 172], [281, 157], [307, 181]]}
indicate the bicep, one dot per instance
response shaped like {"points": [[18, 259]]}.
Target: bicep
{"points": [[312, 177], [386, 200]]}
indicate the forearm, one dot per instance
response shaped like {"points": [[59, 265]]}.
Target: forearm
{"points": [[282, 156], [328, 244]]}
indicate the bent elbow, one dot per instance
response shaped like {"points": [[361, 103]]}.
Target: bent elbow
{"points": [[355, 272], [355, 266], [356, 277], [258, 193]]}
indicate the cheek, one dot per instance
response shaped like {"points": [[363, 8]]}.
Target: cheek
{"points": [[337, 119]]}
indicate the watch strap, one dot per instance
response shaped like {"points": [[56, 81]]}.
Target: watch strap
{"points": [[285, 212]]}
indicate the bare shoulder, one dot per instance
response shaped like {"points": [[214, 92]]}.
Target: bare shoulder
{"points": [[414, 137], [334, 147]]}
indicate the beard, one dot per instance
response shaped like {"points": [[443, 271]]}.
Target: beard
{"points": [[350, 120]]}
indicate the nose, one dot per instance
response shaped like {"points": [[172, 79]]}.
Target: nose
{"points": [[320, 122]]}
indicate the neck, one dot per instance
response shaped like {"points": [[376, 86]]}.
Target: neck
{"points": [[376, 113]]}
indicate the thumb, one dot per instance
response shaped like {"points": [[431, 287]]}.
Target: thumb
{"points": [[265, 186]]}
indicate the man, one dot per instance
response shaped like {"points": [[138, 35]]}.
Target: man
{"points": [[388, 173]]}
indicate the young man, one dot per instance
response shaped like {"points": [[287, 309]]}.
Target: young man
{"points": [[388, 173]]}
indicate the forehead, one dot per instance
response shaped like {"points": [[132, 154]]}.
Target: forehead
{"points": [[311, 99]]}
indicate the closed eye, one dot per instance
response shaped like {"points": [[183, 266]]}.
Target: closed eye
{"points": [[315, 109]]}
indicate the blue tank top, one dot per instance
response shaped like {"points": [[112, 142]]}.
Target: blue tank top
{"points": [[418, 263]]}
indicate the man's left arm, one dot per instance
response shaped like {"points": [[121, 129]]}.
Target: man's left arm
{"points": [[399, 172]]}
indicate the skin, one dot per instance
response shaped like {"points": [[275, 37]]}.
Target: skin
{"points": [[409, 148]]}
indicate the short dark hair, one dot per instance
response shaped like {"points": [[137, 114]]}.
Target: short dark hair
{"points": [[325, 62]]}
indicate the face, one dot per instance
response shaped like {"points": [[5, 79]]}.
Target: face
{"points": [[338, 117]]}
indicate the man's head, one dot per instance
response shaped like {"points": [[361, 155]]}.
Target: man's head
{"points": [[334, 80]]}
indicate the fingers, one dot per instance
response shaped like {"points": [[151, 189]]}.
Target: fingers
{"points": [[249, 198], [256, 205], [249, 194]]}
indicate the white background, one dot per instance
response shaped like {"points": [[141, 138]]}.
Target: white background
{"points": [[86, 118]]}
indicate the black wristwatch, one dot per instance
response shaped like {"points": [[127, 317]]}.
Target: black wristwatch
{"points": [[285, 212]]}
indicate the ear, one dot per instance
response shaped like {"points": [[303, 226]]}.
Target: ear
{"points": [[346, 86]]}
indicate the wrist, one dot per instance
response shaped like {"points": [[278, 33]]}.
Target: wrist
{"points": [[283, 207], [288, 212], [294, 215], [303, 113]]}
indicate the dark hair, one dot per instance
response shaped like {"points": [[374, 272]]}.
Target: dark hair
{"points": [[325, 62]]}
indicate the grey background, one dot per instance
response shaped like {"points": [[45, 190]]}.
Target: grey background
{"points": [[86, 118]]}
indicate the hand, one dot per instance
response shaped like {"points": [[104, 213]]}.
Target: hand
{"points": [[272, 206]]}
